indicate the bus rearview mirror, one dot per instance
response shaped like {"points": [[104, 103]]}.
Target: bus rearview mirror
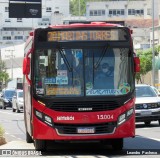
{"points": [[26, 66]]}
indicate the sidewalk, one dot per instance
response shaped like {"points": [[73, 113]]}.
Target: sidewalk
{"points": [[17, 145]]}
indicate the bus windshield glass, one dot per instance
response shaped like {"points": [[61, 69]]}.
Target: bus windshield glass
{"points": [[102, 71]]}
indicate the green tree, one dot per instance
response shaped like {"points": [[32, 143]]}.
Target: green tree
{"points": [[74, 7], [145, 61], [4, 77]]}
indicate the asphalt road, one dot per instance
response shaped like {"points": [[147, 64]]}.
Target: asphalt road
{"points": [[147, 139]]}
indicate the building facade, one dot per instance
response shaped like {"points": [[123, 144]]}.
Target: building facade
{"points": [[120, 9], [15, 31]]}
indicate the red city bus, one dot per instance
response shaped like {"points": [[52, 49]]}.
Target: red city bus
{"points": [[79, 84]]}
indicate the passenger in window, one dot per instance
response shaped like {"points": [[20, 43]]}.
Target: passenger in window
{"points": [[106, 70], [104, 78]]}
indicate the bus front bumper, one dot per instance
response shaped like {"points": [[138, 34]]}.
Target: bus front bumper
{"points": [[59, 131]]}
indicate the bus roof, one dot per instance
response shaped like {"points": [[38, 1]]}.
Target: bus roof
{"points": [[92, 24]]}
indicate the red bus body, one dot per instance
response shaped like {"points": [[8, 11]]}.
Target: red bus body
{"points": [[37, 112]]}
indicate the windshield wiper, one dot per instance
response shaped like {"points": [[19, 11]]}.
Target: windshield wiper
{"points": [[101, 57], [65, 59]]}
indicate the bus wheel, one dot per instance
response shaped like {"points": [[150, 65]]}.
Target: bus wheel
{"points": [[40, 145], [28, 138], [159, 122], [117, 144]]}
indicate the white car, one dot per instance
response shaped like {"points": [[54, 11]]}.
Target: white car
{"points": [[147, 104], [18, 101], [156, 90]]}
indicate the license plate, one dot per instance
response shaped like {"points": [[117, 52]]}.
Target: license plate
{"points": [[146, 112], [84, 130]]}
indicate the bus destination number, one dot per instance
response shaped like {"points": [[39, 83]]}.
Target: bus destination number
{"points": [[105, 117]]}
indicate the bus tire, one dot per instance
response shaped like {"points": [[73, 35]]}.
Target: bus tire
{"points": [[40, 145], [28, 138], [117, 144]]}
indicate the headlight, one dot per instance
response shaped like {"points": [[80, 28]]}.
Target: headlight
{"points": [[121, 119], [44, 118], [125, 116], [6, 100], [129, 112], [48, 120], [39, 114]]}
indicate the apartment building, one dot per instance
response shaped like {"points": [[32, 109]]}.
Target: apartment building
{"points": [[120, 9]]}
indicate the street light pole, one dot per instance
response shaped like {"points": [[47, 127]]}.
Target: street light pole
{"points": [[153, 53]]}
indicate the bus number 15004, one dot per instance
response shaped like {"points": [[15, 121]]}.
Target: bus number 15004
{"points": [[104, 117]]}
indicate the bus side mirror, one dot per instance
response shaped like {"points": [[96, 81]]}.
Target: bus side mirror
{"points": [[136, 64], [26, 65]]}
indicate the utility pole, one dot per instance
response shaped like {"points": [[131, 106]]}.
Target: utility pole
{"points": [[11, 57], [153, 53]]}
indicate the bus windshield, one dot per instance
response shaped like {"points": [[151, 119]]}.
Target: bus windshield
{"points": [[83, 72]]}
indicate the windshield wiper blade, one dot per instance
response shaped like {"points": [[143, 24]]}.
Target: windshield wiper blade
{"points": [[101, 57], [65, 59]]}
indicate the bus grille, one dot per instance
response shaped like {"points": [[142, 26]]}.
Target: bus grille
{"points": [[85, 106], [104, 128]]}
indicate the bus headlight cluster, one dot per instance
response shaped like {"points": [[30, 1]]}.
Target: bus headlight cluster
{"points": [[125, 116], [44, 118]]}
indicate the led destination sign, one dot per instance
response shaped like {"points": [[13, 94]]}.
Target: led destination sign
{"points": [[87, 35]]}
